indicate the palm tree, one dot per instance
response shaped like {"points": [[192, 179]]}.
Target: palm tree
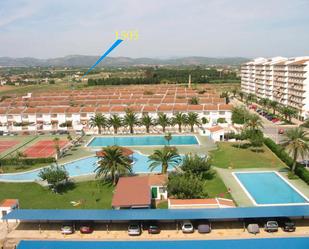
{"points": [[164, 158], [192, 120], [116, 122], [264, 102], [194, 101], [274, 105], [113, 164], [241, 95], [163, 121], [98, 120], [180, 119], [254, 122], [147, 121], [130, 119], [57, 146], [296, 143], [288, 112], [225, 95], [168, 138]]}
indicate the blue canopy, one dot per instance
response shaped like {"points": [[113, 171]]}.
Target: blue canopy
{"points": [[158, 214], [282, 243]]}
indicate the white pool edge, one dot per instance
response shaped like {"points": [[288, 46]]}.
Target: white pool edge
{"points": [[159, 135], [278, 174]]}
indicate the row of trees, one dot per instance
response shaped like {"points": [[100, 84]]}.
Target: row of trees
{"points": [[131, 120], [275, 107], [296, 140], [164, 75]]}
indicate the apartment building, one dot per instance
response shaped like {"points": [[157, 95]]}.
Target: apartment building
{"points": [[285, 80], [73, 110]]}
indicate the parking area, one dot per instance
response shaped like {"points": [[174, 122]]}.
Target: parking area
{"points": [[168, 230]]}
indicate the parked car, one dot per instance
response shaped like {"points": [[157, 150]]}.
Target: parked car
{"points": [[253, 228], [271, 226], [204, 227], [154, 229], [287, 225], [275, 120], [187, 227], [67, 229], [281, 131], [134, 229], [86, 228]]}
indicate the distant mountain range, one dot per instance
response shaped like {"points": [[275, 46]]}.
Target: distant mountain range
{"points": [[86, 61]]}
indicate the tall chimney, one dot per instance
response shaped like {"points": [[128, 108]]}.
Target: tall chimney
{"points": [[189, 85]]}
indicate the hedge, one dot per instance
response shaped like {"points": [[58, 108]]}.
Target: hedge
{"points": [[300, 171], [26, 161]]}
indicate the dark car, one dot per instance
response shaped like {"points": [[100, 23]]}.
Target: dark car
{"points": [[271, 226], [86, 228], [287, 225], [204, 227], [154, 229]]}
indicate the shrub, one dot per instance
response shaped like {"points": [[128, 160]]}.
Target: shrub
{"points": [[25, 161], [185, 186], [300, 171], [197, 166]]}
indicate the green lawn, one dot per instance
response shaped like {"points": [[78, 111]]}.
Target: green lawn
{"points": [[229, 155], [215, 187], [92, 194]]}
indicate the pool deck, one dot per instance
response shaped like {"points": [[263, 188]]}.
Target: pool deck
{"points": [[239, 194]]}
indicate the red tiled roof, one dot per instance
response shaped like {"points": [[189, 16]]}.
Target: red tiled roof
{"points": [[195, 108], [104, 109], [210, 107], [224, 107], [180, 108], [211, 201], [88, 109], [164, 107], [73, 110], [118, 108], [150, 108], [215, 128], [30, 110], [9, 203], [59, 109], [132, 191]]}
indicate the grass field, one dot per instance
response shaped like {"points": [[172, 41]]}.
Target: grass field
{"points": [[229, 155], [215, 187], [92, 194]]}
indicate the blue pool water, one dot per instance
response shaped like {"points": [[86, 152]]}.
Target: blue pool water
{"points": [[269, 188], [282, 243], [142, 141], [80, 167]]}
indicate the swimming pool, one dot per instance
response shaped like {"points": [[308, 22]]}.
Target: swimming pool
{"points": [[84, 166], [269, 188], [141, 141], [282, 243]]}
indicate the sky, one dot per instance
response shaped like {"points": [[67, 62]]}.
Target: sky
{"points": [[167, 28]]}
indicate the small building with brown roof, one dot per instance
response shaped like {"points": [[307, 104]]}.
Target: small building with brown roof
{"points": [[8, 205], [138, 191]]}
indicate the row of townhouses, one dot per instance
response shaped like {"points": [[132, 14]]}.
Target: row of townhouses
{"points": [[285, 80], [73, 110]]}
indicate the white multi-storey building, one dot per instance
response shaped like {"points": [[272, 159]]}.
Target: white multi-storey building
{"points": [[285, 80]]}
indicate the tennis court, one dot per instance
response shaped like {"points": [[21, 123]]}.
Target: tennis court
{"points": [[5, 145], [44, 148]]}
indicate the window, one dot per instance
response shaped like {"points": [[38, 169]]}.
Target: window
{"points": [[206, 113], [221, 112], [162, 190], [25, 116]]}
